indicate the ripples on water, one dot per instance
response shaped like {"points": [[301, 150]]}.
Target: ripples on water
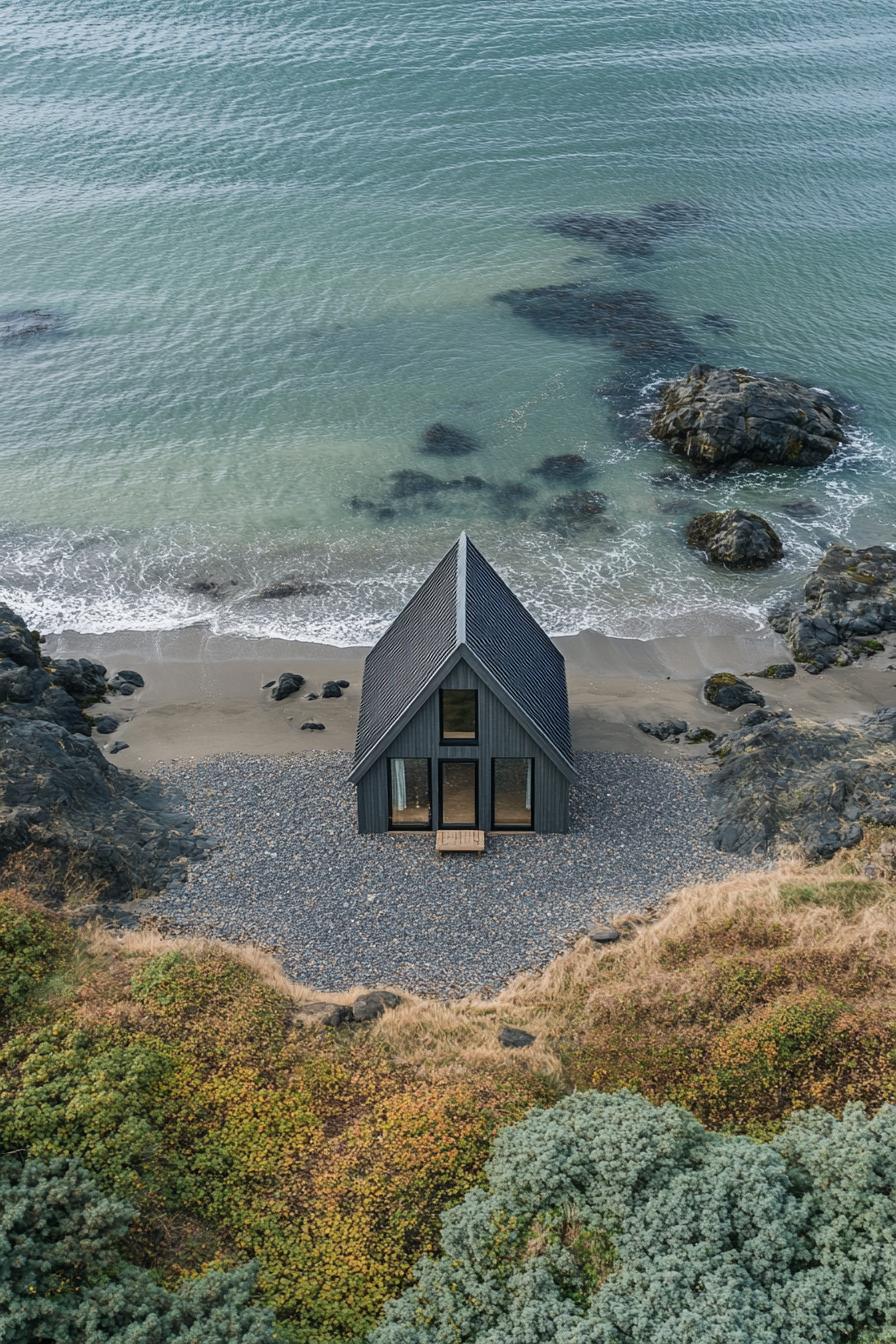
{"points": [[273, 233]]}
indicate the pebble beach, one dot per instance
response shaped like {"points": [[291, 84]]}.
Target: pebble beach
{"points": [[291, 874]]}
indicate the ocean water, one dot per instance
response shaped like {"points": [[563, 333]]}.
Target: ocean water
{"points": [[267, 236]]}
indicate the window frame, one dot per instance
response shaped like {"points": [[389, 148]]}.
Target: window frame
{"points": [[408, 826], [521, 826], [459, 741]]}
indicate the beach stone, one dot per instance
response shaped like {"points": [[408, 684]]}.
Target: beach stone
{"points": [[448, 440], [116, 747], [287, 684], [368, 1007], [783, 782], [776, 671], [736, 539], [331, 690], [514, 1038], [343, 684], [696, 735], [720, 417], [848, 602], [603, 933], [322, 1014], [105, 724], [665, 729], [726, 691], [312, 726], [122, 687]]}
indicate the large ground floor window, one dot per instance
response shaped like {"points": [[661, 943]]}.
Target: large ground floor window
{"points": [[512, 793], [410, 793]]}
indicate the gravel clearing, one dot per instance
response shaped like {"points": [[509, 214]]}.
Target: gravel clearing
{"points": [[343, 909]]}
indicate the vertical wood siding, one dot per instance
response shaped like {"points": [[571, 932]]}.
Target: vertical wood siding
{"points": [[499, 735]]}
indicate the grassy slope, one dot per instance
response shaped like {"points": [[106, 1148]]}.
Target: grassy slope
{"points": [[179, 1072]]}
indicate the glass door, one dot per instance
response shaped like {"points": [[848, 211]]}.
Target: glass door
{"points": [[458, 795]]}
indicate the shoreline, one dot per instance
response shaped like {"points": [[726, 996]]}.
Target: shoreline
{"points": [[204, 693]]}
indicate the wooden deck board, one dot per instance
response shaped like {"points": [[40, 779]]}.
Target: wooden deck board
{"points": [[460, 842]]}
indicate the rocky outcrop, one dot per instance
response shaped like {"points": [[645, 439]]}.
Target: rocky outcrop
{"points": [[722, 417], [783, 782], [735, 539], [848, 602], [726, 691], [61, 797], [288, 683]]}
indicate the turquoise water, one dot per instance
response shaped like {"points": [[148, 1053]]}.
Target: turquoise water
{"points": [[268, 235]]}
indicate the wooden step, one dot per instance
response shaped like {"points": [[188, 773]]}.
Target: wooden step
{"points": [[460, 842]]}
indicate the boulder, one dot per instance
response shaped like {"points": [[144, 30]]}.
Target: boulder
{"points": [[782, 782], [105, 724], [343, 684], [604, 933], [848, 601], [575, 510], [722, 417], [514, 1038], [116, 747], [665, 729], [776, 671], [287, 684], [292, 586], [367, 1007], [321, 1014], [697, 735], [726, 691], [331, 690], [736, 539]]}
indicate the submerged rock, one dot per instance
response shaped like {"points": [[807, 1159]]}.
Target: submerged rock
{"points": [[22, 323], [801, 508], [727, 691], [734, 538], [448, 440], [719, 322], [562, 467], [61, 797], [632, 320], [783, 782], [199, 586], [848, 601], [720, 417], [627, 235], [574, 510], [293, 586]]}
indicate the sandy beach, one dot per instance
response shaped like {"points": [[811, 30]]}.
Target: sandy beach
{"points": [[204, 693]]}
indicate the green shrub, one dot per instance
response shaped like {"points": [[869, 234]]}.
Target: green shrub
{"points": [[848, 895], [31, 943], [713, 1237], [64, 1279]]}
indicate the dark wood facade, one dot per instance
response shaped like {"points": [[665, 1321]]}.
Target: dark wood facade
{"points": [[499, 735]]}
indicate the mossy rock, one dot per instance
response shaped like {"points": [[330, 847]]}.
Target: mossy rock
{"points": [[728, 692]]}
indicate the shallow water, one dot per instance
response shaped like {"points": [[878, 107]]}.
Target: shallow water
{"points": [[272, 233]]}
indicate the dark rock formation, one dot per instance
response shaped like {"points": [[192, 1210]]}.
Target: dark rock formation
{"points": [[343, 684], [627, 236], [287, 684], [783, 782], [514, 1038], [321, 1014], [205, 587], [801, 508], [294, 586], [408, 484], [60, 796], [848, 602], [719, 417], [575, 510], [696, 735], [369, 1006], [665, 729], [562, 467], [312, 726], [382, 512], [331, 690], [603, 933], [105, 724], [448, 441], [116, 747], [727, 691], [736, 539]]}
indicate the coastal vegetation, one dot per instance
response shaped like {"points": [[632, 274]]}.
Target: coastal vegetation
{"points": [[182, 1078]]}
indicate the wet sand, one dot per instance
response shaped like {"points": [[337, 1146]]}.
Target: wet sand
{"points": [[204, 696]]}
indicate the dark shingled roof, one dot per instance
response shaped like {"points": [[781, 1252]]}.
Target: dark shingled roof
{"points": [[464, 610]]}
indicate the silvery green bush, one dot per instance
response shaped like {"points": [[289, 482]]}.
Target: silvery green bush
{"points": [[65, 1280], [607, 1220]]}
